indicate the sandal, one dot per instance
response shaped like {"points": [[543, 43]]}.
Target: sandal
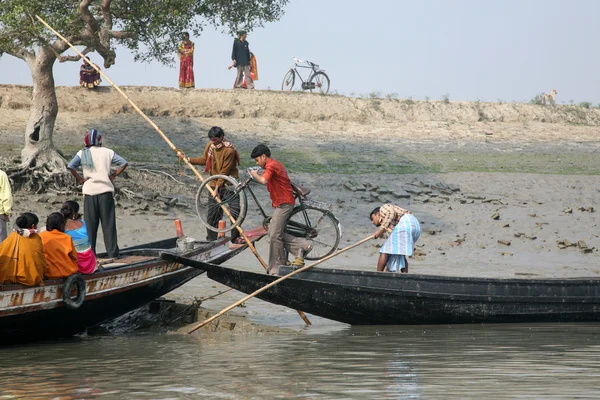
{"points": [[298, 262]]}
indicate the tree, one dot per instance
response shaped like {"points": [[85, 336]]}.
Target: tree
{"points": [[148, 28]]}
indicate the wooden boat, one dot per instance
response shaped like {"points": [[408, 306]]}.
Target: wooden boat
{"points": [[136, 278], [376, 298]]}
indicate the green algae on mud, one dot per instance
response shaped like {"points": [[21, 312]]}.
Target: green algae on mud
{"points": [[413, 162]]}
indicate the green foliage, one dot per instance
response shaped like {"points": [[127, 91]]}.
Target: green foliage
{"points": [[151, 29], [585, 104], [538, 99]]}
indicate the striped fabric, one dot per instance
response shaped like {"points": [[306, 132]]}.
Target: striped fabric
{"points": [[401, 242]]}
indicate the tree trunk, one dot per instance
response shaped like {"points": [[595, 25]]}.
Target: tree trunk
{"points": [[42, 166], [44, 109]]}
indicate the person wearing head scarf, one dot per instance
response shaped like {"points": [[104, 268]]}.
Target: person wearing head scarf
{"points": [[98, 190], [22, 253], [61, 257]]}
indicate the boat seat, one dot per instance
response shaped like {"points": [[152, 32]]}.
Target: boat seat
{"points": [[300, 191]]}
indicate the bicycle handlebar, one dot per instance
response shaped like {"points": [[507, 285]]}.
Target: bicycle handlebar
{"points": [[299, 61]]}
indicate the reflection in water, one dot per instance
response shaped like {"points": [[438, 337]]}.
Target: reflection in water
{"points": [[492, 361]]}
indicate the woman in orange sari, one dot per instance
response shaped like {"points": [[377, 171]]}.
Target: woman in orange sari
{"points": [[22, 254], [59, 249], [185, 51]]}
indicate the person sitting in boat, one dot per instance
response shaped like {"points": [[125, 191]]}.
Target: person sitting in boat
{"points": [[403, 229], [59, 250], [76, 228], [22, 253]]}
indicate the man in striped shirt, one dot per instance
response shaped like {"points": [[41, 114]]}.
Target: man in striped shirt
{"points": [[403, 229]]}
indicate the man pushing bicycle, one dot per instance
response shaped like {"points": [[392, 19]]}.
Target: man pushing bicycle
{"points": [[282, 198]]}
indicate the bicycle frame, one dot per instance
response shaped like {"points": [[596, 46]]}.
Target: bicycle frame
{"points": [[293, 228], [311, 66]]}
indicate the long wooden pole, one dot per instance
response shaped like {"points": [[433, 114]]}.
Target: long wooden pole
{"points": [[171, 145], [283, 278]]}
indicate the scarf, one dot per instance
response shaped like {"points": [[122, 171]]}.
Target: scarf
{"points": [[211, 150], [92, 138]]}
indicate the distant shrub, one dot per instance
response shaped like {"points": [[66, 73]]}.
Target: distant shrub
{"points": [[538, 99], [446, 98], [585, 104]]}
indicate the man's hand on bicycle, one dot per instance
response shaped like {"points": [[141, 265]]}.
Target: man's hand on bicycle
{"points": [[253, 171]]}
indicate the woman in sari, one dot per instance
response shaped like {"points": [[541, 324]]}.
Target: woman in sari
{"points": [[185, 51], [77, 229], [88, 76], [59, 250], [22, 254]]}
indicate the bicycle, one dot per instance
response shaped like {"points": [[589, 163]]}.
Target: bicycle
{"points": [[309, 220], [317, 79]]}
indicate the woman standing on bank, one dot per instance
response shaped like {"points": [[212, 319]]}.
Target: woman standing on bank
{"points": [[185, 51]]}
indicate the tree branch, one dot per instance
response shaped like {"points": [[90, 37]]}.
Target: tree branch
{"points": [[87, 16], [106, 15], [122, 35], [75, 57]]}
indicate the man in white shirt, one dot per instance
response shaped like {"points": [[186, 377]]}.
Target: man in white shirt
{"points": [[98, 189]]}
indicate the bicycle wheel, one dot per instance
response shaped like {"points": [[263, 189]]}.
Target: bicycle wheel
{"points": [[321, 81], [210, 212], [288, 80], [318, 226]]}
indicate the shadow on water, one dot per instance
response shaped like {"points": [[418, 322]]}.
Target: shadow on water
{"points": [[396, 362]]}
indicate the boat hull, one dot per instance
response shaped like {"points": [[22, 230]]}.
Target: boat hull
{"points": [[372, 298], [39, 313]]}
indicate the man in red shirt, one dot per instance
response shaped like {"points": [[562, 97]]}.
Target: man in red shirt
{"points": [[282, 198]]}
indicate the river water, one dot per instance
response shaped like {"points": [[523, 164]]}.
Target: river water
{"points": [[324, 361]]}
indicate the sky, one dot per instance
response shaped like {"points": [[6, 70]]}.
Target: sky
{"points": [[488, 50]]}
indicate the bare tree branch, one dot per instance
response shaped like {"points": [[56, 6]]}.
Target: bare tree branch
{"points": [[122, 35], [75, 57]]}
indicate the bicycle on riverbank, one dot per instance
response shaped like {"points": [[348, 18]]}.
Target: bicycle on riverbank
{"points": [[317, 80], [310, 220]]}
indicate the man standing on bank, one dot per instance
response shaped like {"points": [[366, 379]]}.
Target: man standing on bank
{"points": [[404, 231], [220, 158], [98, 189], [283, 201], [6, 203], [240, 56]]}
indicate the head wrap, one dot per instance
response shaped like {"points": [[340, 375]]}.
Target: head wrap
{"points": [[92, 138]]}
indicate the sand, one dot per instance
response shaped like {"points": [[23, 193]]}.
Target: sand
{"points": [[500, 184]]}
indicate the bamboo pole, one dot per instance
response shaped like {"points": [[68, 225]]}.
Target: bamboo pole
{"points": [[262, 289], [171, 145]]}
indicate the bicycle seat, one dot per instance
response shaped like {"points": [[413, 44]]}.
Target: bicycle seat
{"points": [[299, 190]]}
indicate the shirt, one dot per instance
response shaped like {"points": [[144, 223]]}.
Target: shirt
{"points": [[224, 161], [278, 183], [389, 215], [6, 200], [240, 53], [99, 178]]}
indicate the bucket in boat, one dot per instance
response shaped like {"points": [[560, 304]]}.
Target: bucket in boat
{"points": [[185, 243]]}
